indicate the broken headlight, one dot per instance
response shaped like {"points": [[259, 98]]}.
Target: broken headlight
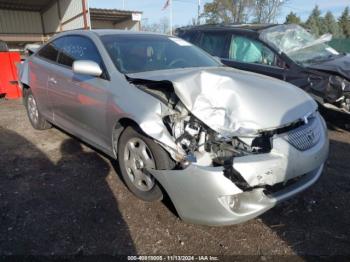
{"points": [[225, 150], [337, 81], [343, 87], [346, 86]]}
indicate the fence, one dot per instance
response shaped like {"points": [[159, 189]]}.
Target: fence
{"points": [[341, 45]]}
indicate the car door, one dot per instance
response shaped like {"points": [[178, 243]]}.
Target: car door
{"points": [[250, 54], [80, 100], [42, 66]]}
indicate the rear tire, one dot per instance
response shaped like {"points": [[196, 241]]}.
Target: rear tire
{"points": [[136, 152], [35, 118]]}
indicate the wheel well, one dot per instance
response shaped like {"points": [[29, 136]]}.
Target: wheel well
{"points": [[25, 88], [118, 130]]}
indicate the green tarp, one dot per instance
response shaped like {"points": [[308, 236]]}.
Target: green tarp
{"points": [[341, 45]]}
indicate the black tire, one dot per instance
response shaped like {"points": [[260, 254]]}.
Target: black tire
{"points": [[3, 47], [161, 159], [38, 122]]}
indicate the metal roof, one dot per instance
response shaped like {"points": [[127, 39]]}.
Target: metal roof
{"points": [[32, 5], [105, 11], [114, 15]]}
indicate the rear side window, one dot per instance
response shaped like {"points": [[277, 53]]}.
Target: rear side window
{"points": [[50, 51], [189, 36], [78, 48], [213, 43]]}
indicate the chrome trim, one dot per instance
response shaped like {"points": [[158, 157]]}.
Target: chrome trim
{"points": [[305, 136]]}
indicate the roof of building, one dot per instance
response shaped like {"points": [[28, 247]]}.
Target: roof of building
{"points": [[40, 5], [114, 15], [104, 11], [32, 5]]}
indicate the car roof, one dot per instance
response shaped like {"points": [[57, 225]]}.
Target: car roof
{"points": [[101, 32], [252, 28], [122, 32]]}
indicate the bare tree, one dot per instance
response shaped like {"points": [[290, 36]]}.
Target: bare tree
{"points": [[228, 11], [242, 11], [266, 10], [162, 26]]}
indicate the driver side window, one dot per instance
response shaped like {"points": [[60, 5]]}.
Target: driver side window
{"points": [[246, 50], [78, 48]]}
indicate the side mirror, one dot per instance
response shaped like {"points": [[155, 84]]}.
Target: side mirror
{"points": [[87, 67], [281, 63], [30, 49]]}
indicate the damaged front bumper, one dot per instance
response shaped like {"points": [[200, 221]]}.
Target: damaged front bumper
{"points": [[206, 195]]}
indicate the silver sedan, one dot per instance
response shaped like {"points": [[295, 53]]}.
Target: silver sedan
{"points": [[224, 144]]}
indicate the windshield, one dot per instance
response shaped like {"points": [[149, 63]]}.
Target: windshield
{"points": [[297, 43], [141, 53]]}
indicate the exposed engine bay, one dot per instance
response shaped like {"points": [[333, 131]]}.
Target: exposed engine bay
{"points": [[198, 140]]}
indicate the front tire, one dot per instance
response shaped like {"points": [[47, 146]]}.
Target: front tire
{"points": [[136, 152], [36, 119]]}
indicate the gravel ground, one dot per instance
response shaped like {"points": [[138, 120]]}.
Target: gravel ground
{"points": [[60, 197]]}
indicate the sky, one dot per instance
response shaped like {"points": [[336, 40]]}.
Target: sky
{"points": [[185, 10]]}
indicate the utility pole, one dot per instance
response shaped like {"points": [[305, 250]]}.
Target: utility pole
{"points": [[123, 4], [199, 11], [171, 16], [169, 3]]}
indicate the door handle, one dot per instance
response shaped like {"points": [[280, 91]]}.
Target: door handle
{"points": [[52, 80]]}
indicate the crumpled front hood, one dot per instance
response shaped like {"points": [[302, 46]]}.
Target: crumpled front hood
{"points": [[232, 101], [339, 65]]}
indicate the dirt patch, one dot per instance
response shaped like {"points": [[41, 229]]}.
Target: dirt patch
{"points": [[59, 196]]}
